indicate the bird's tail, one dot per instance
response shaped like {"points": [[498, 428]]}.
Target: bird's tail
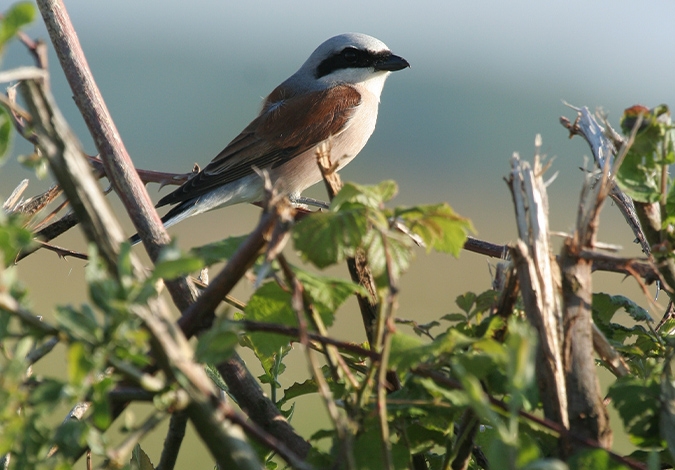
{"points": [[177, 214]]}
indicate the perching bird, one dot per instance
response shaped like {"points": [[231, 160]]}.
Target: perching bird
{"points": [[333, 96]]}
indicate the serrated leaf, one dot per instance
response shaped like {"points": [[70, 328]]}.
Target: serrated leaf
{"points": [[605, 306], [438, 225], [326, 238], [327, 293], [372, 196], [383, 247], [298, 389]]}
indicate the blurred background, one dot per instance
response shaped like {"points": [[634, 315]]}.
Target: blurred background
{"points": [[487, 76]]}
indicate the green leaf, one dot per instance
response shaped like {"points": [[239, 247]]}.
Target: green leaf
{"points": [[215, 376], [327, 293], [5, 133], [79, 364], [172, 264], [80, 324], [70, 437], [298, 389], [19, 15], [326, 238], [421, 438], [219, 251], [48, 393], [521, 344], [667, 412], [454, 317], [101, 414], [605, 306], [388, 246], [597, 459], [13, 237], [410, 351], [638, 404], [140, 460], [640, 173], [368, 450], [217, 344], [465, 301], [438, 225], [368, 196], [270, 304]]}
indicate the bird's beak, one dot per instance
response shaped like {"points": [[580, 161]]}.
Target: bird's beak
{"points": [[391, 63]]}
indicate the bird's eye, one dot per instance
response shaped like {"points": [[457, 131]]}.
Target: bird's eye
{"points": [[350, 55]]}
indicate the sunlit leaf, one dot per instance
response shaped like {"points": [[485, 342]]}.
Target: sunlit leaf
{"points": [[640, 173], [368, 196], [13, 237], [438, 225], [79, 364], [326, 238], [19, 15], [387, 252]]}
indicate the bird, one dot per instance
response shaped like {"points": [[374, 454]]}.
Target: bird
{"points": [[333, 98]]}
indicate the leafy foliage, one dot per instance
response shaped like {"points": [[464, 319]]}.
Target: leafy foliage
{"points": [[466, 379], [649, 156], [357, 219]]}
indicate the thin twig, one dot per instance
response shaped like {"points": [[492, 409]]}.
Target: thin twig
{"points": [[340, 423], [543, 422], [172, 441]]}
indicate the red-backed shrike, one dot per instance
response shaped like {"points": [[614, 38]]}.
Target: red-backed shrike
{"points": [[333, 96]]}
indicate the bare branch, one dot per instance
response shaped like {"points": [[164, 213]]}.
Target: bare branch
{"points": [[539, 282]]}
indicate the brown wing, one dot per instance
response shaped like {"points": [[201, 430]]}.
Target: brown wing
{"points": [[285, 128]]}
